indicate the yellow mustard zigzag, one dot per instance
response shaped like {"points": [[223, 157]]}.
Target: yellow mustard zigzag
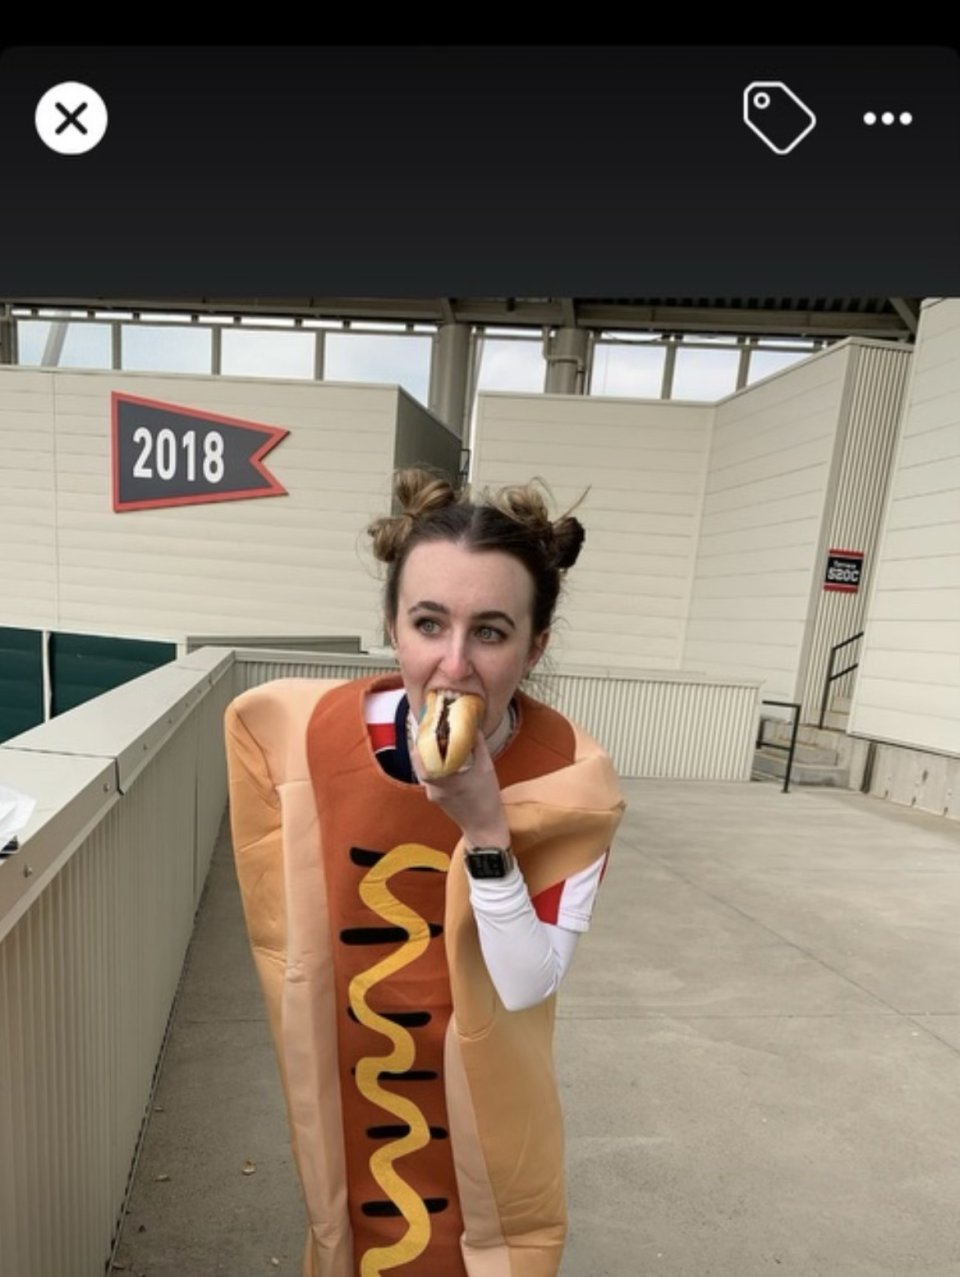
{"points": [[377, 896]]}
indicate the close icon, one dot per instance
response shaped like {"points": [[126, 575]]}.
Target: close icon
{"points": [[778, 117], [71, 118]]}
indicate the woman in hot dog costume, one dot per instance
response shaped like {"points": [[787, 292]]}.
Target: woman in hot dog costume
{"points": [[410, 933]]}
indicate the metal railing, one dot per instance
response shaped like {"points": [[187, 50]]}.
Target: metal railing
{"points": [[832, 675], [791, 749]]}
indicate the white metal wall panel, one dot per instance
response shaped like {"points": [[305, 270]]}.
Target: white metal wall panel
{"points": [[643, 462], [28, 539], [873, 406], [908, 685], [766, 489], [283, 564], [98, 909], [87, 981]]}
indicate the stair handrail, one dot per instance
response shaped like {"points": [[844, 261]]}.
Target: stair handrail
{"points": [[792, 747], [832, 677]]}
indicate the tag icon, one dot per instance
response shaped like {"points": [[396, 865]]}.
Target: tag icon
{"points": [[777, 116]]}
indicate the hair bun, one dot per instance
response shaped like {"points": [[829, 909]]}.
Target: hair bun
{"points": [[417, 494], [561, 539], [569, 535]]}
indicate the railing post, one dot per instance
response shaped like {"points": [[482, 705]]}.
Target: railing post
{"points": [[792, 747], [824, 700], [831, 676]]}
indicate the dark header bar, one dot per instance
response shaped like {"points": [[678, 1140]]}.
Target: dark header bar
{"points": [[481, 171]]}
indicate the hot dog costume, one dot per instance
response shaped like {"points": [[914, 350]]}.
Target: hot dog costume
{"points": [[424, 1117]]}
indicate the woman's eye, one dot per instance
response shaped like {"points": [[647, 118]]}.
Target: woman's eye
{"points": [[427, 625], [488, 634]]}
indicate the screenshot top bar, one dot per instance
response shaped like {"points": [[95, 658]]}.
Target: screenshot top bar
{"points": [[481, 170]]}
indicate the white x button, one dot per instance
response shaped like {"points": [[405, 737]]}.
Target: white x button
{"points": [[71, 118]]}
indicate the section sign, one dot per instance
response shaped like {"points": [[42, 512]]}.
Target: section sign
{"points": [[844, 570], [166, 454]]}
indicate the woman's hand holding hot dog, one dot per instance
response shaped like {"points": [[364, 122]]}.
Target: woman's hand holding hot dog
{"points": [[471, 798]]}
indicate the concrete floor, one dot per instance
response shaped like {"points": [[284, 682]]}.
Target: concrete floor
{"points": [[758, 1047]]}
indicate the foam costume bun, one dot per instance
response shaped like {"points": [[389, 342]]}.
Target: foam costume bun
{"points": [[448, 731]]}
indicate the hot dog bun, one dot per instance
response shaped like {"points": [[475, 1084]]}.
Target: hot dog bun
{"points": [[448, 730]]}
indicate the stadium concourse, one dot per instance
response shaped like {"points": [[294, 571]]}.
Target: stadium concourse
{"points": [[757, 1048]]}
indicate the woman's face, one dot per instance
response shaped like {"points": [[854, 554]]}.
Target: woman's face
{"points": [[464, 622]]}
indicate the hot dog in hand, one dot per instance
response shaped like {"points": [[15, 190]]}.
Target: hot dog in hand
{"points": [[448, 730]]}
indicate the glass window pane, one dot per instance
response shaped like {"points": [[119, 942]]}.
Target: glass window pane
{"points": [[765, 362], [263, 354], [381, 359], [635, 372], [705, 374], [512, 365], [84, 345], [149, 348]]}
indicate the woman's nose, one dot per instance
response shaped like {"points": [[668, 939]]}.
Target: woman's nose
{"points": [[456, 659]]}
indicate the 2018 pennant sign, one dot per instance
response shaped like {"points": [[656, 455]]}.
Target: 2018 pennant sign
{"points": [[167, 455]]}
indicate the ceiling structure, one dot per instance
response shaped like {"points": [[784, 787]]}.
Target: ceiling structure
{"points": [[829, 319]]}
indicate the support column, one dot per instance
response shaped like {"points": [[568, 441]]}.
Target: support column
{"points": [[448, 376], [53, 346], [8, 348], [566, 362]]}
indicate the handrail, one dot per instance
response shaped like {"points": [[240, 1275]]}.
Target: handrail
{"points": [[832, 677], [792, 747]]}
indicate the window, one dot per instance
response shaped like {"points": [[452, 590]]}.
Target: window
{"points": [[388, 358], [706, 374], [152, 348], [633, 370], [246, 352], [85, 345]]}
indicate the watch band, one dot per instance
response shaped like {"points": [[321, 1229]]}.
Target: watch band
{"points": [[488, 862]]}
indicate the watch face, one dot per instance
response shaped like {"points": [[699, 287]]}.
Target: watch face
{"points": [[487, 864]]}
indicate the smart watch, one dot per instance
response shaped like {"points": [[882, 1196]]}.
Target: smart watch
{"points": [[488, 862]]}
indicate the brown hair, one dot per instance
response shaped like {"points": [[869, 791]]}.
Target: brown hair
{"points": [[513, 520]]}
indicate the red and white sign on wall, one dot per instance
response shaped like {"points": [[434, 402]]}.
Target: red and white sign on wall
{"points": [[844, 570], [165, 454]]}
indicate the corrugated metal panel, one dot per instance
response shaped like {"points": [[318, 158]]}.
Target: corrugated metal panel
{"points": [[663, 728], [877, 380], [653, 725], [255, 667], [87, 981]]}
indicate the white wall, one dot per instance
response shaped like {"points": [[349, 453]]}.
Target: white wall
{"points": [[294, 564], [908, 689], [760, 534], [626, 600], [28, 497]]}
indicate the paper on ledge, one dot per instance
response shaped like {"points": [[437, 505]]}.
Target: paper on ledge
{"points": [[15, 810]]}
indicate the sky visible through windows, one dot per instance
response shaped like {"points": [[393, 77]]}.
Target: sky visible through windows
{"points": [[699, 368]]}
